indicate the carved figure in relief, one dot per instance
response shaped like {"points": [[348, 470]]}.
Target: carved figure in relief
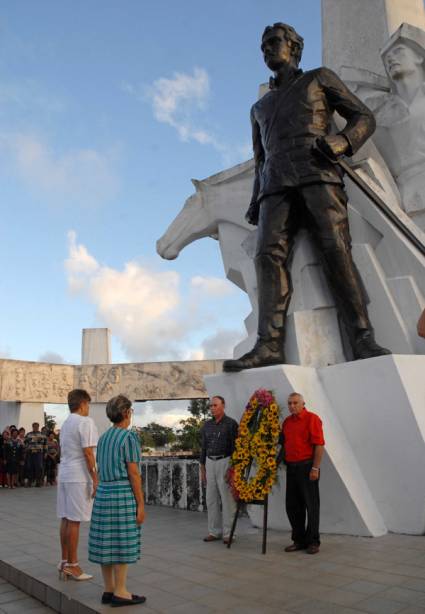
{"points": [[85, 382], [35, 384], [20, 384], [45, 383], [400, 117], [112, 377], [64, 383]]}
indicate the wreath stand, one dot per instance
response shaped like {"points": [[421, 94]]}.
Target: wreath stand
{"points": [[264, 503]]}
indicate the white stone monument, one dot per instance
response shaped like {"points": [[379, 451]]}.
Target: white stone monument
{"points": [[96, 346], [96, 349], [369, 406], [373, 414]]}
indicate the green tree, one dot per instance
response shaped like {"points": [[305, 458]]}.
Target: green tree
{"points": [[199, 408], [189, 435], [145, 438], [158, 434], [49, 422]]}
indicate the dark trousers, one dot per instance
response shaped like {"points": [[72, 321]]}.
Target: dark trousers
{"points": [[35, 467], [302, 499], [50, 467], [322, 209]]}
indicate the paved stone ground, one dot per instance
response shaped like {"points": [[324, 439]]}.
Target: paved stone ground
{"points": [[15, 601], [178, 572]]}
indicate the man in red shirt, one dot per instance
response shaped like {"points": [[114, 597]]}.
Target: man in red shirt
{"points": [[303, 445]]}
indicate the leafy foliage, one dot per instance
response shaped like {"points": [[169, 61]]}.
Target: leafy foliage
{"points": [[199, 408], [155, 435], [49, 422], [189, 435]]}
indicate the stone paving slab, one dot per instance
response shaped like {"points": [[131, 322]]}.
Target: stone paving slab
{"points": [[178, 572], [14, 601]]}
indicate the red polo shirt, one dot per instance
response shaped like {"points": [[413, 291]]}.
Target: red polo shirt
{"points": [[301, 432]]}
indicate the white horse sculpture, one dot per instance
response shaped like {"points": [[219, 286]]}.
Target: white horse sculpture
{"points": [[217, 210], [392, 270]]}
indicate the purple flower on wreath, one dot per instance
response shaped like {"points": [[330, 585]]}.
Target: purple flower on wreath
{"points": [[264, 397]]}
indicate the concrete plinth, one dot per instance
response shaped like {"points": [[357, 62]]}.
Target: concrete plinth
{"points": [[373, 414]]}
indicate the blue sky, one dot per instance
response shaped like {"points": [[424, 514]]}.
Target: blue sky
{"points": [[94, 166], [107, 110]]}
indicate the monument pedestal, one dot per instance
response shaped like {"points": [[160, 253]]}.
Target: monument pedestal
{"points": [[373, 413]]}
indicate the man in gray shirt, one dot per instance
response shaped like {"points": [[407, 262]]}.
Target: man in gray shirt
{"points": [[218, 442]]}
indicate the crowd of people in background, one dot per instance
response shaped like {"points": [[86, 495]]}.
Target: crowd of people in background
{"points": [[28, 459]]}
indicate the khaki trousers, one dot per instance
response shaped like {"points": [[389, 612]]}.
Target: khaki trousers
{"points": [[220, 517]]}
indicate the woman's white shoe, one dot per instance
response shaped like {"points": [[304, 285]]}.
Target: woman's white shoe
{"points": [[67, 573]]}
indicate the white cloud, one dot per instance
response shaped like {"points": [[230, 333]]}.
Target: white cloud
{"points": [[148, 311], [168, 413], [140, 306], [220, 344], [175, 101], [27, 94], [79, 176], [213, 286], [178, 101], [80, 265], [52, 357]]}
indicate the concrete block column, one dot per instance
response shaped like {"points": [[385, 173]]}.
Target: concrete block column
{"points": [[96, 349], [21, 414]]}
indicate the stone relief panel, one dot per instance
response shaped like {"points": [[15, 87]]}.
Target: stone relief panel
{"points": [[48, 383], [85, 378], [31, 382], [146, 381]]}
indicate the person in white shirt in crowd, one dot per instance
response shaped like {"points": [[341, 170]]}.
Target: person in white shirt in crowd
{"points": [[77, 480]]}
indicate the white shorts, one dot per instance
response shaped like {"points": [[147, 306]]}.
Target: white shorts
{"points": [[74, 501]]}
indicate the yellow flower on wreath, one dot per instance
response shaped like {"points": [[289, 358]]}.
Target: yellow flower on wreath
{"points": [[256, 447]]}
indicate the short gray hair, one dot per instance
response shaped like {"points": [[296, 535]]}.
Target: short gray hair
{"points": [[296, 394], [116, 407]]}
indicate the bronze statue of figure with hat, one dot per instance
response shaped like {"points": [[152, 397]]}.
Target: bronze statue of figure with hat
{"points": [[297, 185]]}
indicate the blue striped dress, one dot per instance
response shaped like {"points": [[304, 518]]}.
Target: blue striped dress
{"points": [[114, 536]]}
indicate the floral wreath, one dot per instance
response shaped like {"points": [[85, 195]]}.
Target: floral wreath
{"points": [[256, 443]]}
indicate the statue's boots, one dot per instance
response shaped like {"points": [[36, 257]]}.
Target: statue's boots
{"points": [[365, 346], [263, 354]]}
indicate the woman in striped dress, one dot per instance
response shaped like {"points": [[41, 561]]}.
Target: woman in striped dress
{"points": [[118, 509]]}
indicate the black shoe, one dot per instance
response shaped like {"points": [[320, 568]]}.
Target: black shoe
{"points": [[295, 547], [107, 597], [365, 346], [263, 354], [119, 602]]}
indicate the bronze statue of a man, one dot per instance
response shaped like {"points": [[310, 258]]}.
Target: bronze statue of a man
{"points": [[297, 186]]}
